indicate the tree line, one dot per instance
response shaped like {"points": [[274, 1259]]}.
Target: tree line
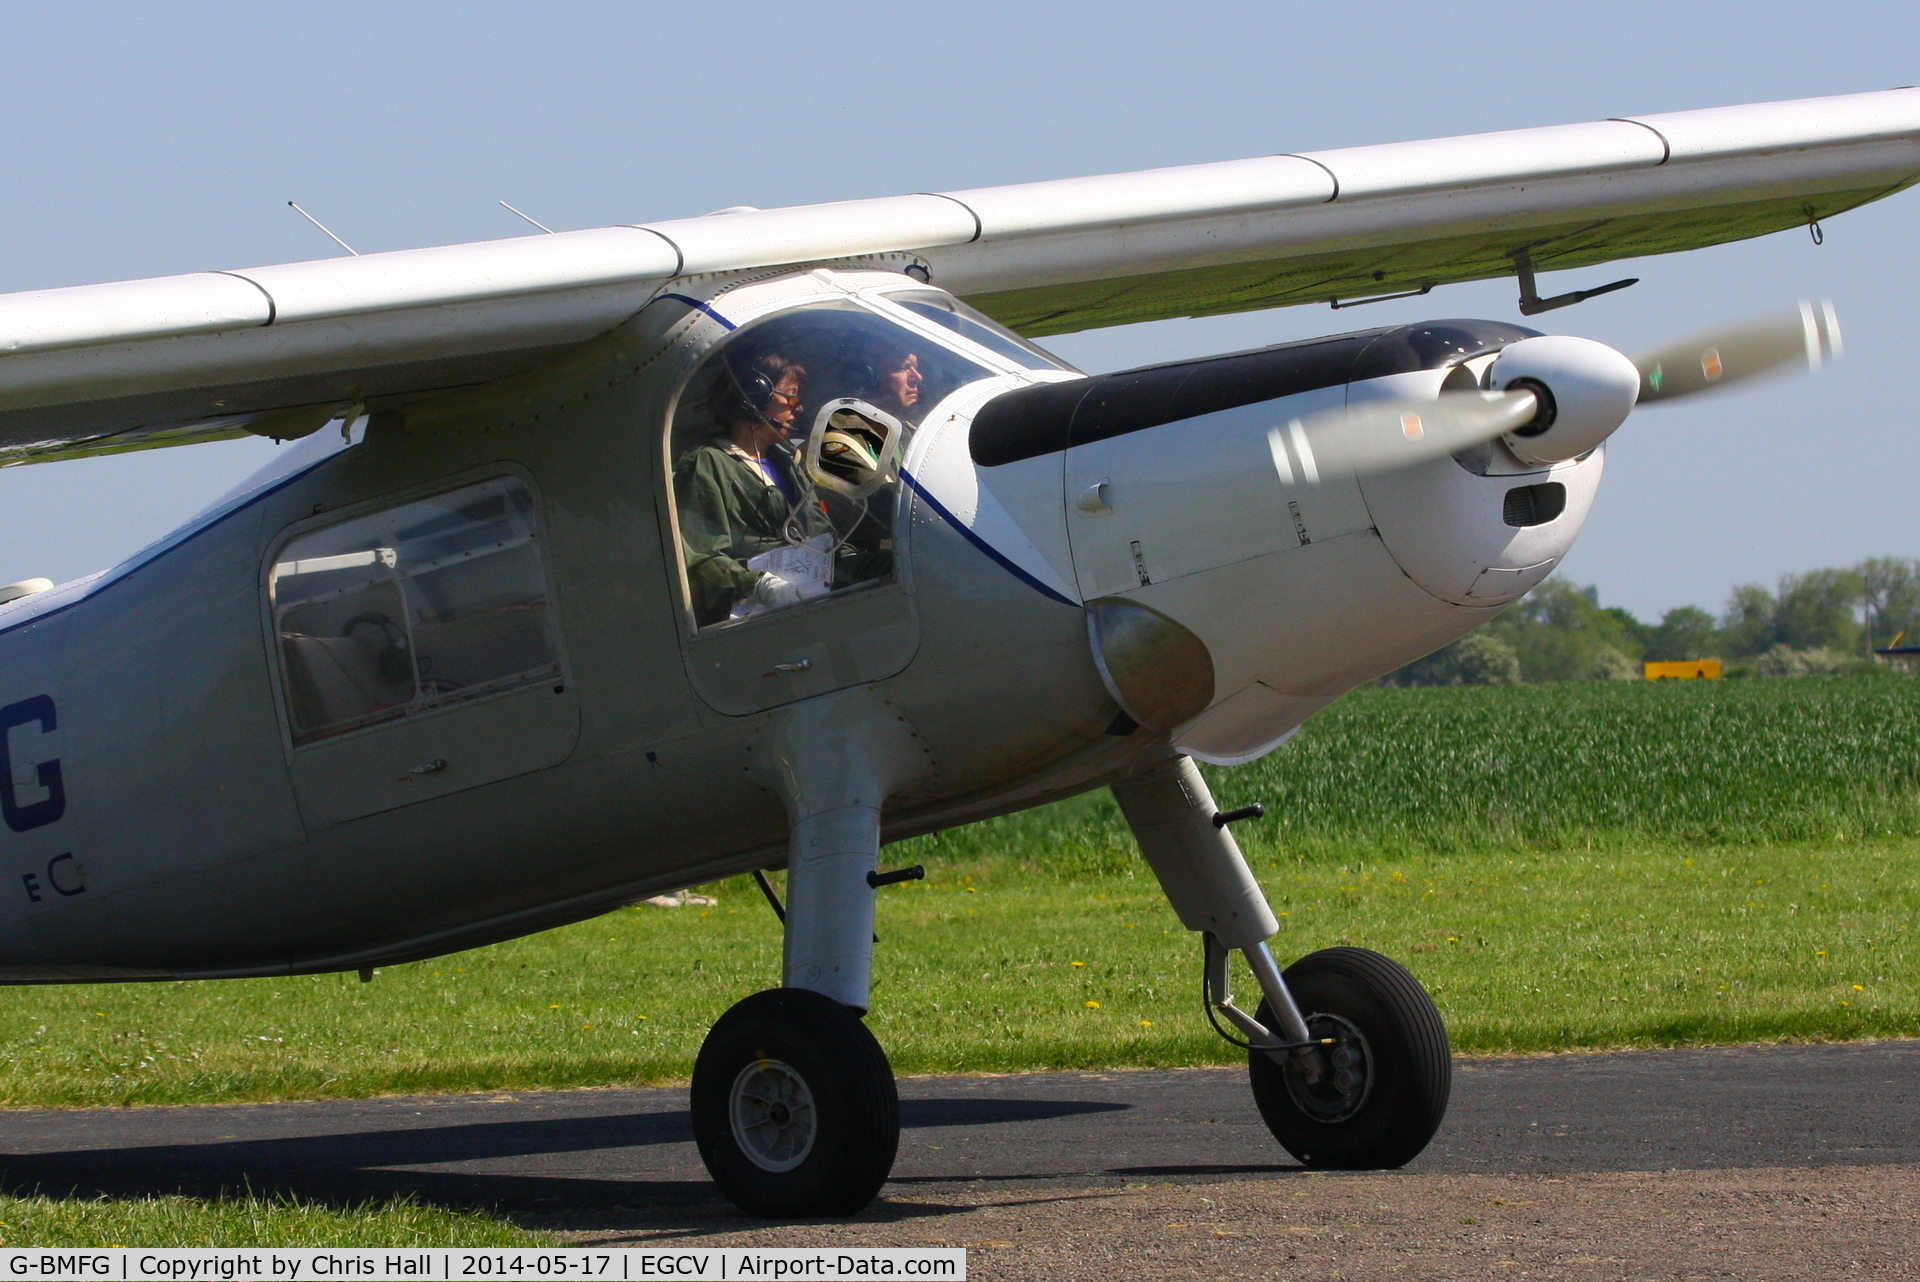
{"points": [[1818, 622]]}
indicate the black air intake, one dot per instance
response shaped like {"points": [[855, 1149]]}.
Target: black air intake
{"points": [[1534, 504]]}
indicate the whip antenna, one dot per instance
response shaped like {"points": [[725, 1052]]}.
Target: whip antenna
{"points": [[529, 217], [323, 227]]}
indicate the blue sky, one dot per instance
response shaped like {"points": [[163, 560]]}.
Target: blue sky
{"points": [[150, 139]]}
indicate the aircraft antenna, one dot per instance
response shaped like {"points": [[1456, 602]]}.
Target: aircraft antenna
{"points": [[323, 227], [530, 218]]}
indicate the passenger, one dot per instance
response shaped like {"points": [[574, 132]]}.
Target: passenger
{"points": [[738, 496], [884, 371], [896, 381]]}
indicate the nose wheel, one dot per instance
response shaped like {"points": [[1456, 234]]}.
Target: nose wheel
{"points": [[794, 1107], [1372, 1093]]}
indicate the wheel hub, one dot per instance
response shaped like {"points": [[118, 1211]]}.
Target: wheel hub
{"points": [[772, 1114], [1345, 1078]]}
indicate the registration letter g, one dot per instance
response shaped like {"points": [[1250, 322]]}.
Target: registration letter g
{"points": [[45, 811]]}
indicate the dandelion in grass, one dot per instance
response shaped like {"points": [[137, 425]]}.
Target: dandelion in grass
{"points": [[1078, 963], [1146, 1023], [1093, 1005]]}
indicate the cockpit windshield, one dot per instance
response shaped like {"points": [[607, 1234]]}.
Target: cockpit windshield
{"points": [[945, 310], [786, 450]]}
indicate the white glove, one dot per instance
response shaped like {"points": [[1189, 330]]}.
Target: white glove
{"points": [[776, 593]]}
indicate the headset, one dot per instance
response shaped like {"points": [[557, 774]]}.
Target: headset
{"points": [[755, 388]]}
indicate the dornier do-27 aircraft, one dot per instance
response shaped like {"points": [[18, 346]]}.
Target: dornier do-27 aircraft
{"points": [[606, 562]]}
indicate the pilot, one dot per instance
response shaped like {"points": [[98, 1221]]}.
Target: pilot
{"points": [[737, 493]]}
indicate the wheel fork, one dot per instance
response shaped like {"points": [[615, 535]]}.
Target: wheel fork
{"points": [[1292, 1035]]}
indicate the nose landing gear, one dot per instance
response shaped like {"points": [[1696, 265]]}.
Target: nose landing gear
{"points": [[1347, 1056], [1372, 1094]]}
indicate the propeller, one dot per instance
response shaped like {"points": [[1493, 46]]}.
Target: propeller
{"points": [[1734, 353], [1563, 397], [1378, 436]]}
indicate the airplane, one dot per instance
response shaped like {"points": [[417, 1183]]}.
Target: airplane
{"points": [[602, 563]]}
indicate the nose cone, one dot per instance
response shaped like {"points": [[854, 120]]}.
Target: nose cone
{"points": [[1586, 391]]}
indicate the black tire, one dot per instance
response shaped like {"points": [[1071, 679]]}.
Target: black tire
{"points": [[823, 1147], [1378, 1118]]}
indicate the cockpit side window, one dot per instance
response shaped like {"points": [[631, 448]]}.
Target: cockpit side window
{"points": [[786, 449], [402, 611], [948, 312]]}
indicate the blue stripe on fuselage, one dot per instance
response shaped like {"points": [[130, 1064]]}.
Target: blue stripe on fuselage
{"points": [[992, 552]]}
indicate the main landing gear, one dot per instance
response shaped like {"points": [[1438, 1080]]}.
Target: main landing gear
{"points": [[794, 1107], [1347, 1055]]}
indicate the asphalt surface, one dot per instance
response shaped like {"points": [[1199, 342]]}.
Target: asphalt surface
{"points": [[602, 1158]]}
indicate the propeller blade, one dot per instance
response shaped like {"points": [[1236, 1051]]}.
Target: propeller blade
{"points": [[1720, 357], [1377, 436]]}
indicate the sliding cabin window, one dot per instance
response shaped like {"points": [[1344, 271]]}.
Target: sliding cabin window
{"points": [[420, 606]]}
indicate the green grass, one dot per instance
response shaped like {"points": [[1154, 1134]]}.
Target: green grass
{"points": [[1623, 864], [251, 1221], [1606, 762]]}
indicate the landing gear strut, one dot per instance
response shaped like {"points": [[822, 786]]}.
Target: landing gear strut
{"points": [[1347, 1055], [794, 1106]]}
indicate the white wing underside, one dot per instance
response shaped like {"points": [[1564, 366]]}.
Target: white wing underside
{"points": [[137, 364]]}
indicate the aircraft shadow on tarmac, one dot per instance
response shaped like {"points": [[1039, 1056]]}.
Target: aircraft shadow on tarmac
{"points": [[354, 1167]]}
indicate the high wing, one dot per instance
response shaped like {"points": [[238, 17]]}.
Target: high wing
{"points": [[274, 350]]}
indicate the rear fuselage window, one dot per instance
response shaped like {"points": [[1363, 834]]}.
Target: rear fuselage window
{"points": [[414, 608]]}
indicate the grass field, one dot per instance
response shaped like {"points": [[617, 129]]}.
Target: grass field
{"points": [[247, 1221], [1616, 864]]}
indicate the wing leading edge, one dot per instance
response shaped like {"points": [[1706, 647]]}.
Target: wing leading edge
{"points": [[138, 364]]}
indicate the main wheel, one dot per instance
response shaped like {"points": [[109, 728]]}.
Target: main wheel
{"points": [[794, 1106], [1375, 1096]]}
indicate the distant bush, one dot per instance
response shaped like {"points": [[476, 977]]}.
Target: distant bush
{"points": [[1477, 659], [1785, 661], [1608, 664]]}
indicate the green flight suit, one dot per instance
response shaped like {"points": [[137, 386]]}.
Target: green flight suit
{"points": [[729, 512]]}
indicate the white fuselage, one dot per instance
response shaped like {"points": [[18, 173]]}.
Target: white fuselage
{"points": [[165, 818]]}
